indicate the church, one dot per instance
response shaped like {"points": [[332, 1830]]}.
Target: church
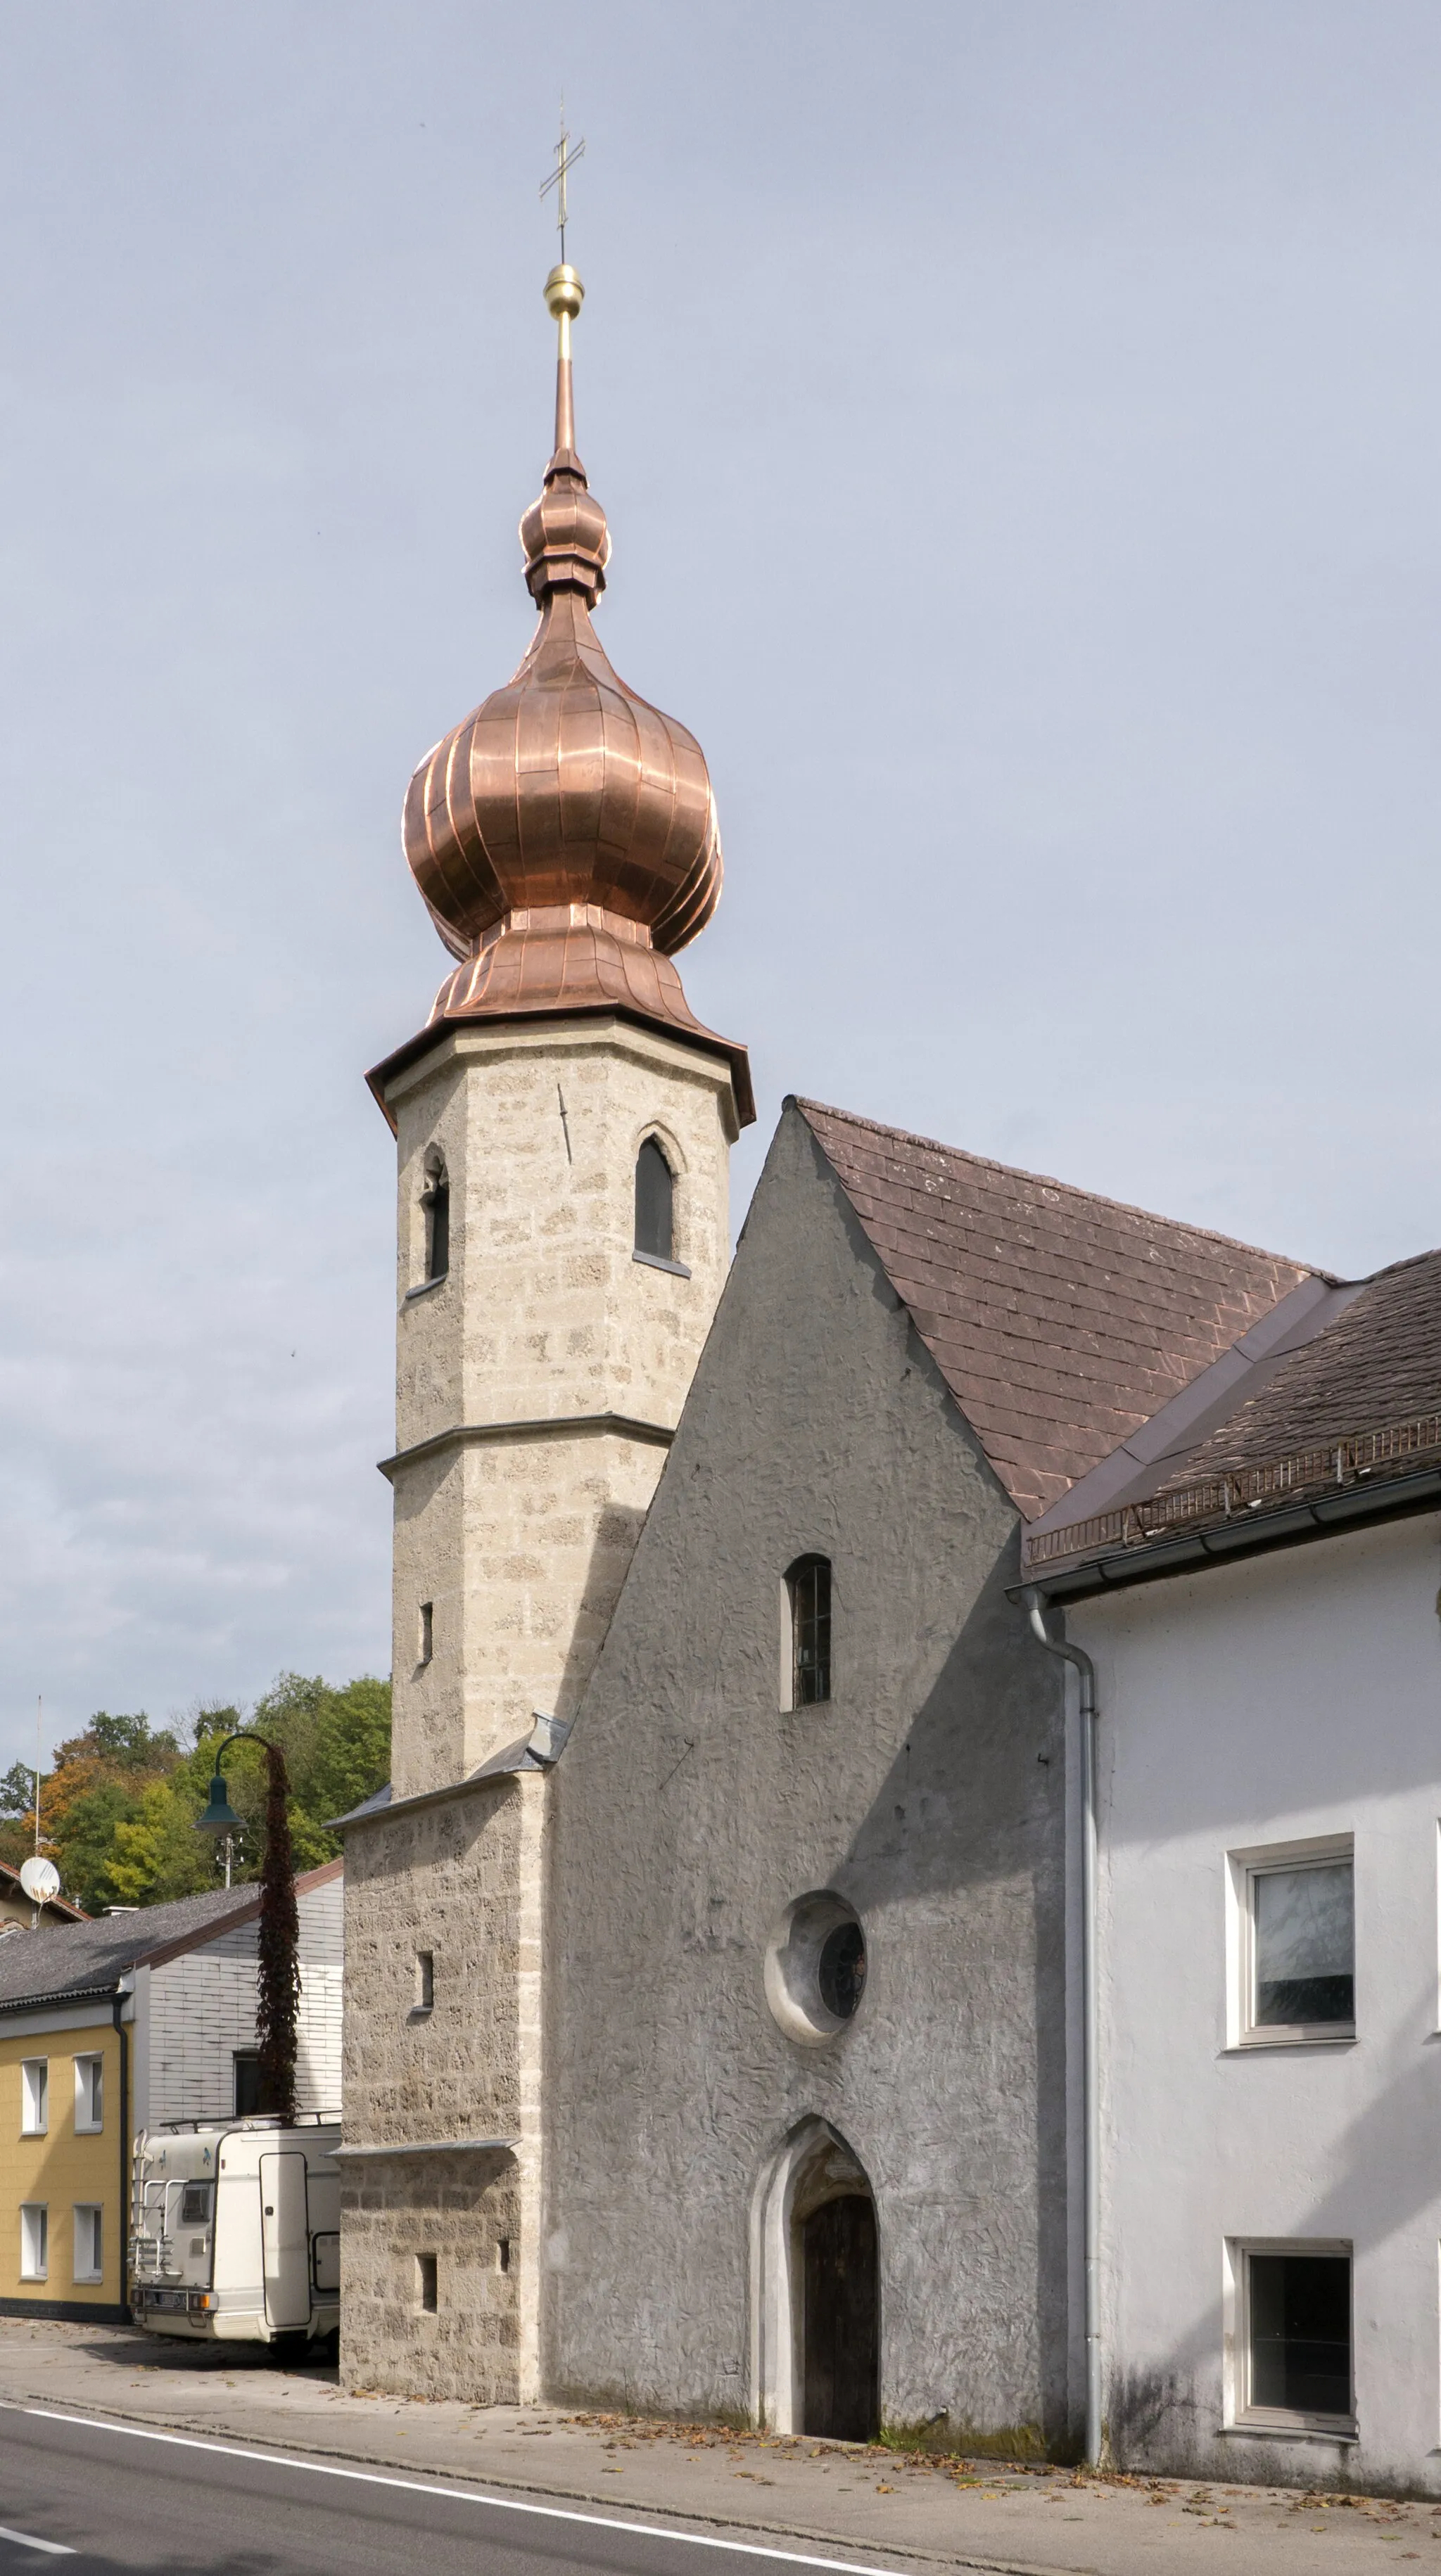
{"points": [[722, 1962]]}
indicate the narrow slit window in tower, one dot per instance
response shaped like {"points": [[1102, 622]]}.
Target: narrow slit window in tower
{"points": [[435, 1199], [426, 1643], [654, 1203]]}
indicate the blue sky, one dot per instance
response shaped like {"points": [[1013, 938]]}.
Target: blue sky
{"points": [[1018, 429]]}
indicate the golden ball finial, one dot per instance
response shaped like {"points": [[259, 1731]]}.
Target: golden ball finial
{"points": [[564, 293]]}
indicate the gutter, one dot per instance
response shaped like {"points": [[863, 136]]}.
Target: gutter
{"points": [[47, 2003], [1395, 1498], [1085, 1672]]}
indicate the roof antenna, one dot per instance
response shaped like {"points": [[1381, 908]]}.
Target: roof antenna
{"points": [[565, 160]]}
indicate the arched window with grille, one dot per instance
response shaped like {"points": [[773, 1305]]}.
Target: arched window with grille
{"points": [[435, 1200], [654, 1203], [808, 1594]]}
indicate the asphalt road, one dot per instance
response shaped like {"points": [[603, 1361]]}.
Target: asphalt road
{"points": [[77, 2496]]}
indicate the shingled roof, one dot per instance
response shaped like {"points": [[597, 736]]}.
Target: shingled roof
{"points": [[1060, 1321], [90, 1957], [1377, 1365]]}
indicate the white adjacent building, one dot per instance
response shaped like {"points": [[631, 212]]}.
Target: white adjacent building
{"points": [[1259, 1598]]}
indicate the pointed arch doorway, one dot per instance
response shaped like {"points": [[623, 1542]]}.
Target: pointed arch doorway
{"points": [[816, 2355]]}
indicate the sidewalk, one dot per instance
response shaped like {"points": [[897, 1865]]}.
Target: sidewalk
{"points": [[864, 2504]]}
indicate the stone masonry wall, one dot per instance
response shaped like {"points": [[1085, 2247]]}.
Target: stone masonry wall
{"points": [[520, 1537], [447, 1879], [521, 1543], [464, 2210]]}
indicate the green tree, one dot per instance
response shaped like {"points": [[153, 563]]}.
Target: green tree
{"points": [[118, 1810]]}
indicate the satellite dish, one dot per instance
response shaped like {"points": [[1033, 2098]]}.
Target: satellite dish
{"points": [[40, 1879]]}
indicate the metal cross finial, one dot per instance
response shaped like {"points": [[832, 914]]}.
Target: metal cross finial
{"points": [[566, 156]]}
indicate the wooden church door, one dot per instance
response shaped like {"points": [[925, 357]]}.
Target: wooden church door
{"points": [[841, 2320]]}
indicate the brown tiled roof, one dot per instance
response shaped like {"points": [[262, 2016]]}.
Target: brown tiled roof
{"points": [[1377, 1365], [1059, 1321]]}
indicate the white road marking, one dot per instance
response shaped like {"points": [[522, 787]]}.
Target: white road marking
{"points": [[27, 2540], [435, 2487]]}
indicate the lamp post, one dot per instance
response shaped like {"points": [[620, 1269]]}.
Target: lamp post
{"points": [[275, 2015]]}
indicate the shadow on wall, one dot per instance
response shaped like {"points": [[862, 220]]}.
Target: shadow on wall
{"points": [[976, 1799], [612, 1548], [979, 1784]]}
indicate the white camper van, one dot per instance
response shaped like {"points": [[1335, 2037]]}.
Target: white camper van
{"points": [[236, 2231]]}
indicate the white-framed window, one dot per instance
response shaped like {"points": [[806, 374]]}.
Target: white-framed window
{"points": [[89, 2095], [1290, 2355], [1293, 1943], [89, 2242], [34, 2096], [34, 2240]]}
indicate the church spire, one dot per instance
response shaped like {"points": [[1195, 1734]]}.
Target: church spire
{"points": [[564, 836]]}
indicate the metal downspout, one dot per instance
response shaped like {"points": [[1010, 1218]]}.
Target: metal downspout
{"points": [[122, 2033], [1085, 1672]]}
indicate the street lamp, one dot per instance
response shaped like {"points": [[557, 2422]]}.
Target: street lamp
{"points": [[275, 2013]]}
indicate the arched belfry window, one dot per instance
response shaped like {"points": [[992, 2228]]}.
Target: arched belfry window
{"points": [[435, 1199], [654, 1203], [808, 1591]]}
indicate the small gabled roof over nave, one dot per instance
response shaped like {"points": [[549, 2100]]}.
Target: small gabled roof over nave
{"points": [[1139, 1385], [1061, 1322]]}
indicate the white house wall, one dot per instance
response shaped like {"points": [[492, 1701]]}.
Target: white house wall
{"points": [[201, 2008], [1295, 1695], [322, 1957]]}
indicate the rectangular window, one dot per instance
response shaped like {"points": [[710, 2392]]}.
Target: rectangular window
{"points": [[89, 2262], [34, 2240], [1297, 1950], [247, 2083], [1296, 2338], [426, 1640], [427, 2288], [424, 1980], [34, 2096], [195, 2204], [89, 2094]]}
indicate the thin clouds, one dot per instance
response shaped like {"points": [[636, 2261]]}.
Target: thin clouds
{"points": [[1017, 436]]}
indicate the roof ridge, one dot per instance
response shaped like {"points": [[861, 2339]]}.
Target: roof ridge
{"points": [[1072, 1189]]}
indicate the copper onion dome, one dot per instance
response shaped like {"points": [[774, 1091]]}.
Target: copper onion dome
{"points": [[564, 836]]}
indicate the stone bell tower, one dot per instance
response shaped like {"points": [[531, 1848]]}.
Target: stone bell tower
{"points": [[563, 1127]]}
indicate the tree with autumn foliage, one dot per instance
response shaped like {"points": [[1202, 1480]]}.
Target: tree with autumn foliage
{"points": [[118, 1809]]}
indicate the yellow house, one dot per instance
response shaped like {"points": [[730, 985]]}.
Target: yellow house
{"points": [[123, 2024], [63, 2160]]}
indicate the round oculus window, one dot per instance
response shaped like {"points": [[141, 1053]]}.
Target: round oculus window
{"points": [[815, 1968]]}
